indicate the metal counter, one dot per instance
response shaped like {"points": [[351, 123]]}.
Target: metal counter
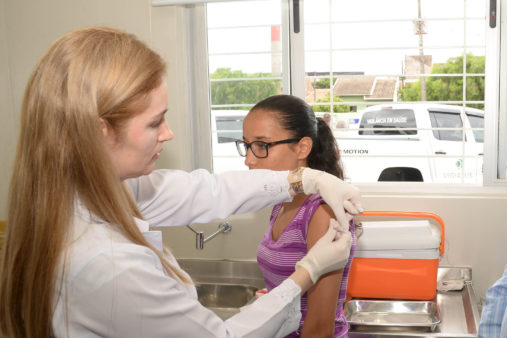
{"points": [[459, 313]]}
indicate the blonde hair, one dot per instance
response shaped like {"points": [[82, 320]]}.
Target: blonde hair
{"points": [[86, 74]]}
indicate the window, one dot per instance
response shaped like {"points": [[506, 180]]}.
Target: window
{"points": [[229, 126], [388, 121], [477, 123], [495, 141], [447, 126], [351, 59], [354, 59], [245, 52], [385, 59]]}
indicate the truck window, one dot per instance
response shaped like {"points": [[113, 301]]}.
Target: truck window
{"points": [[388, 121], [477, 121], [441, 119], [229, 128]]}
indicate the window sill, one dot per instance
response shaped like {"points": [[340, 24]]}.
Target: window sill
{"points": [[417, 189]]}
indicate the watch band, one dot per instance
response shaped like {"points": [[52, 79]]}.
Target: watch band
{"points": [[295, 179]]}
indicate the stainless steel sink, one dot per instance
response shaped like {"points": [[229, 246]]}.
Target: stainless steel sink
{"points": [[225, 299], [224, 286]]}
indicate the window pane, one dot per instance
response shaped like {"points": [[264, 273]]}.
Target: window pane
{"points": [[477, 122], [372, 9], [388, 121], [245, 66], [447, 120], [240, 40], [388, 64], [243, 90], [374, 35], [230, 128]]}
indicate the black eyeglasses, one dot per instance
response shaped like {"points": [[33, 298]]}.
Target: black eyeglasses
{"points": [[260, 148]]}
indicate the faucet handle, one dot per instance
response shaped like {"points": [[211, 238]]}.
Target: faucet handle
{"points": [[225, 227]]}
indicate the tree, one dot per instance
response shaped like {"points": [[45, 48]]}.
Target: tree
{"points": [[450, 88], [323, 83], [241, 92], [326, 108]]}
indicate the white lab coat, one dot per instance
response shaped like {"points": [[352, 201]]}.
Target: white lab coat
{"points": [[111, 287]]}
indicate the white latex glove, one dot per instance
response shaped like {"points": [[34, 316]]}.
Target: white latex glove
{"points": [[337, 194], [327, 254]]}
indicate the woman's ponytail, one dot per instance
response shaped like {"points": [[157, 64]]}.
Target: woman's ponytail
{"points": [[325, 154]]}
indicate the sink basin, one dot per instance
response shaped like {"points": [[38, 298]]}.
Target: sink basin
{"points": [[225, 295], [224, 286], [225, 299]]}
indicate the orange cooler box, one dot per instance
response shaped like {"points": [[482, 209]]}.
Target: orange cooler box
{"points": [[397, 259]]}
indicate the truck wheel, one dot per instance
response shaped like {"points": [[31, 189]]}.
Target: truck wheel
{"points": [[397, 174]]}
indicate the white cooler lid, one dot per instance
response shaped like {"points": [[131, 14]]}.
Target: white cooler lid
{"points": [[398, 235], [399, 254]]}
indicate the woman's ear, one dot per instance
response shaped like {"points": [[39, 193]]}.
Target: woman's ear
{"points": [[107, 132], [304, 147]]}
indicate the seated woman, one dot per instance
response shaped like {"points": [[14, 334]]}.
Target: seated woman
{"points": [[282, 133]]}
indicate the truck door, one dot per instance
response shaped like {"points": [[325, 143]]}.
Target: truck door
{"points": [[476, 143], [226, 127], [447, 144]]}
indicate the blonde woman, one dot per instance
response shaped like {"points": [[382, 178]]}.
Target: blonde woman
{"points": [[80, 260]]}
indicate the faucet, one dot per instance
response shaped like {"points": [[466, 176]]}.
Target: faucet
{"points": [[199, 235]]}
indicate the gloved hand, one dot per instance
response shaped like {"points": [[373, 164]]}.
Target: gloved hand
{"points": [[337, 194], [331, 252]]}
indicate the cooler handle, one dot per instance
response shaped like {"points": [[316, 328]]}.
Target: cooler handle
{"points": [[412, 214]]}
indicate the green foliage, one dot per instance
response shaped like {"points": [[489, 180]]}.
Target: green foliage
{"points": [[323, 83], [326, 108], [450, 88], [241, 92]]}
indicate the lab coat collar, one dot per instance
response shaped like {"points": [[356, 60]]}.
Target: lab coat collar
{"points": [[82, 211], [153, 237], [142, 224]]}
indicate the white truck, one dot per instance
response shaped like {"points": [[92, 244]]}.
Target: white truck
{"points": [[391, 142], [226, 127], [399, 142]]}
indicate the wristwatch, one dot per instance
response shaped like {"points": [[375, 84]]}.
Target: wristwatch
{"points": [[295, 179]]}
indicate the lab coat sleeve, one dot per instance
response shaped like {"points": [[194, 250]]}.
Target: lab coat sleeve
{"points": [[264, 318], [128, 295], [173, 197]]}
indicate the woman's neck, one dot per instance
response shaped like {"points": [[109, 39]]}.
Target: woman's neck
{"points": [[295, 203]]}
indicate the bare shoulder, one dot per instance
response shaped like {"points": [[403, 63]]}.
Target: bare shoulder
{"points": [[318, 224]]}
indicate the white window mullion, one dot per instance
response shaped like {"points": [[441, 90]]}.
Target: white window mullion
{"points": [[495, 136], [197, 68], [297, 51], [501, 96], [286, 53], [331, 73]]}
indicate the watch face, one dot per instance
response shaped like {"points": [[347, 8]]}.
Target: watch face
{"points": [[296, 175], [297, 187]]}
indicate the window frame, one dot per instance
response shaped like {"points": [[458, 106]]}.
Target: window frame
{"points": [[200, 105], [487, 185], [496, 79]]}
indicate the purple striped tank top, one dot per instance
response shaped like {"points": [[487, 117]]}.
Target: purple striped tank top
{"points": [[277, 259]]}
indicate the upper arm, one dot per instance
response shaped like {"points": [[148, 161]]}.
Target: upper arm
{"points": [[319, 224], [323, 296]]}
